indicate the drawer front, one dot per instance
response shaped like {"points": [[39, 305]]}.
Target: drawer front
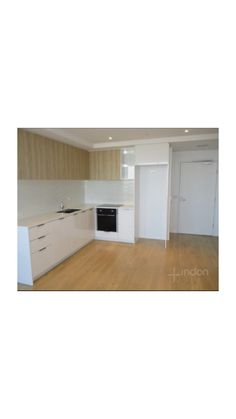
{"points": [[41, 261], [39, 243], [39, 231]]}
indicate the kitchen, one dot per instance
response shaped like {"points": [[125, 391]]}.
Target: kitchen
{"points": [[109, 191]]}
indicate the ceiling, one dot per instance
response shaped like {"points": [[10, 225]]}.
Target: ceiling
{"points": [[90, 138], [195, 145]]}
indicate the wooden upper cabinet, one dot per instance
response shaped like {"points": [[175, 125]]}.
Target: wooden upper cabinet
{"points": [[104, 165], [41, 158]]}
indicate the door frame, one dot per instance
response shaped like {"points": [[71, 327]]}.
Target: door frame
{"points": [[216, 180]]}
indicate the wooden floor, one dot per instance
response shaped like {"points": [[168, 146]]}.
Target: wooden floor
{"points": [[188, 263]]}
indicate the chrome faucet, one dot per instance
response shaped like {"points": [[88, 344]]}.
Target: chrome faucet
{"points": [[62, 205]]}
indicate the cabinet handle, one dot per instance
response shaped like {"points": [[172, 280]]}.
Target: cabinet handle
{"points": [[43, 248], [40, 225], [39, 238], [61, 218]]}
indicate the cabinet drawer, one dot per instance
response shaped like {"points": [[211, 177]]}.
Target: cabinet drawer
{"points": [[39, 243], [41, 261], [39, 231]]}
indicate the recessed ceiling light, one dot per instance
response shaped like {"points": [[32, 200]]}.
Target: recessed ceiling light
{"points": [[109, 138], [186, 130]]}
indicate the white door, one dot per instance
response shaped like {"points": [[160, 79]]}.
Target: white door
{"points": [[196, 198], [153, 192]]}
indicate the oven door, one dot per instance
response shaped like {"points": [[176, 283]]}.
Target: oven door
{"points": [[106, 219]]}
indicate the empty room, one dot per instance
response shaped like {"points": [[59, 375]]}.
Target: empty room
{"points": [[118, 209]]}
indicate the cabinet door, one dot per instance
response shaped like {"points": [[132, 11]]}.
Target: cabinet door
{"points": [[77, 231], [87, 226], [126, 224], [61, 238], [42, 158], [84, 227], [127, 163], [91, 224], [104, 165], [41, 260]]}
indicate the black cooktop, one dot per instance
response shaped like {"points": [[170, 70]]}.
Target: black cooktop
{"points": [[109, 205]]}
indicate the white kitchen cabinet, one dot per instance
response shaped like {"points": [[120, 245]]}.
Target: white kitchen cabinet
{"points": [[40, 230], [40, 242], [91, 224], [126, 224], [71, 233], [146, 154], [87, 225], [127, 163], [24, 268], [76, 239], [61, 238], [41, 249], [43, 246], [84, 227], [34, 252], [41, 260]]}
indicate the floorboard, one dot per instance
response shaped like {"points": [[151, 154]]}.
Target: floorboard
{"points": [[189, 263]]}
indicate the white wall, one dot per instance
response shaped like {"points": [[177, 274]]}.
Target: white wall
{"points": [[169, 193], [117, 191], [216, 214], [151, 154], [40, 196], [177, 158]]}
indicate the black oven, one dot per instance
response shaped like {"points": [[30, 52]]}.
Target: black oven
{"points": [[106, 219]]}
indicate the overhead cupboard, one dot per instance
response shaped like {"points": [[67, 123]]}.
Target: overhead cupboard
{"points": [[104, 165], [113, 164], [41, 158]]}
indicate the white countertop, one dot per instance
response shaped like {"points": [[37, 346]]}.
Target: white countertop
{"points": [[51, 216]]}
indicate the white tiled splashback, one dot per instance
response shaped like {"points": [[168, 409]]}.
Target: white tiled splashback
{"points": [[41, 196], [111, 192]]}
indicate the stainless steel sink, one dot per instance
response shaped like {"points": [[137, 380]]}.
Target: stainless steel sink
{"points": [[68, 210]]}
